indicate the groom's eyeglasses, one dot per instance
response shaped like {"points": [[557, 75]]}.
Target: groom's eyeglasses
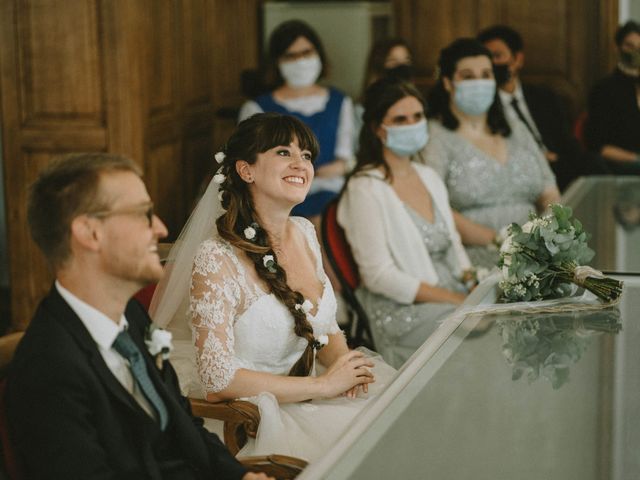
{"points": [[146, 210]]}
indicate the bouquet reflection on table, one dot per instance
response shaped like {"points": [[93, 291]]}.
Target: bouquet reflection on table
{"points": [[547, 345]]}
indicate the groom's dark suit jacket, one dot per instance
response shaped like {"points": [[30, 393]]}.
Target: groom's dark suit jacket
{"points": [[70, 418]]}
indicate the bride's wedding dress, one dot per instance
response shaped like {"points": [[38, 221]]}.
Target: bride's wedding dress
{"points": [[233, 323]]}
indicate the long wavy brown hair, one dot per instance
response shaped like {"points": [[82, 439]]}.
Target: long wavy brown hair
{"points": [[253, 136]]}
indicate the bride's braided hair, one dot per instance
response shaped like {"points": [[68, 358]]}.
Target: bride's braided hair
{"points": [[255, 135]]}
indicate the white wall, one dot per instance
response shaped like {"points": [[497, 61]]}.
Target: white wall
{"points": [[344, 30], [629, 10]]}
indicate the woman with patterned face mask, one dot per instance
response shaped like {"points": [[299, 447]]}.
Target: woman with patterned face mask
{"points": [[397, 220], [296, 62], [495, 173]]}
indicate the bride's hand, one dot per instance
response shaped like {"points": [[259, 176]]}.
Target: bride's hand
{"points": [[348, 371], [353, 392]]}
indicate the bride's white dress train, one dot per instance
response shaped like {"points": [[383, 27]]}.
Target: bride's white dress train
{"points": [[232, 323]]}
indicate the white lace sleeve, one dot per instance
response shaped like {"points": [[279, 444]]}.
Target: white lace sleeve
{"points": [[215, 297]]}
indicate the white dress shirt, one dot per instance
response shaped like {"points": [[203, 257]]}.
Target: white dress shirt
{"points": [[507, 98], [104, 331]]}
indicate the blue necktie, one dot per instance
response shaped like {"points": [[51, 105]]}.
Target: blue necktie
{"points": [[125, 346]]}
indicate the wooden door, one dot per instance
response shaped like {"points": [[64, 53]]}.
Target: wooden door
{"points": [[141, 78], [58, 61]]}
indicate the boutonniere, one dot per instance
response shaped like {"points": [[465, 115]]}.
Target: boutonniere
{"points": [[158, 342]]}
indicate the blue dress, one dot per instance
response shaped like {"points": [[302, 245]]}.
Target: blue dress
{"points": [[324, 125]]}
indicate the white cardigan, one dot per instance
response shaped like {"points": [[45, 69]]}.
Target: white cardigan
{"points": [[387, 246]]}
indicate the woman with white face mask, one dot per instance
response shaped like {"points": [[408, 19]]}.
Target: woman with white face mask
{"points": [[397, 220], [296, 62], [495, 173]]}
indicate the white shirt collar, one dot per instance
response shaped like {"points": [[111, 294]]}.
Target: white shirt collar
{"points": [[506, 97], [102, 329]]}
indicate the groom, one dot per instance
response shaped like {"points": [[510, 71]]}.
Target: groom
{"points": [[85, 399]]}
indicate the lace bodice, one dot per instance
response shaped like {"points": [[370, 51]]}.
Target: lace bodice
{"points": [[236, 324]]}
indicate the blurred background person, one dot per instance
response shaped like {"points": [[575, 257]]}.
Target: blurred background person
{"points": [[296, 62], [397, 220], [613, 124], [540, 110], [495, 173], [389, 57]]}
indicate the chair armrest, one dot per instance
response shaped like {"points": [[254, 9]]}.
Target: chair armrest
{"points": [[277, 466], [241, 419]]}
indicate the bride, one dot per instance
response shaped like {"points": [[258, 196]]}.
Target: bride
{"points": [[248, 302]]}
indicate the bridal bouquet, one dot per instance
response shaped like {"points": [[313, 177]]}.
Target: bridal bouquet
{"points": [[542, 259], [546, 346]]}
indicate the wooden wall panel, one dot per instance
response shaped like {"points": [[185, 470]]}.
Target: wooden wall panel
{"points": [[165, 183], [196, 53], [31, 271], [235, 47], [125, 31], [60, 73], [53, 102], [162, 57]]}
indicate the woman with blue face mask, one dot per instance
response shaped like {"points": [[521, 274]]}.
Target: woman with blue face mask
{"points": [[396, 216], [495, 172], [296, 62]]}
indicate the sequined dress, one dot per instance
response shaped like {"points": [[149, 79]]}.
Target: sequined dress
{"points": [[484, 190], [400, 329]]}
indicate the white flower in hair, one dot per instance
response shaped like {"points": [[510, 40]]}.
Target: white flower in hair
{"points": [[306, 306], [220, 156], [249, 233], [323, 339], [267, 259], [219, 178]]}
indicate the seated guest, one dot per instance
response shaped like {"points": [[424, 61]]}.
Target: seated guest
{"points": [[262, 313], [85, 398], [397, 219], [495, 173], [613, 125], [296, 62], [389, 57], [540, 110]]}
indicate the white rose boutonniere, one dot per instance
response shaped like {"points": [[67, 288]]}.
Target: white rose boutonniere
{"points": [[159, 343]]}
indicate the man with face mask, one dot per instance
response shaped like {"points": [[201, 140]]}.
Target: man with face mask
{"points": [[613, 126], [539, 109]]}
